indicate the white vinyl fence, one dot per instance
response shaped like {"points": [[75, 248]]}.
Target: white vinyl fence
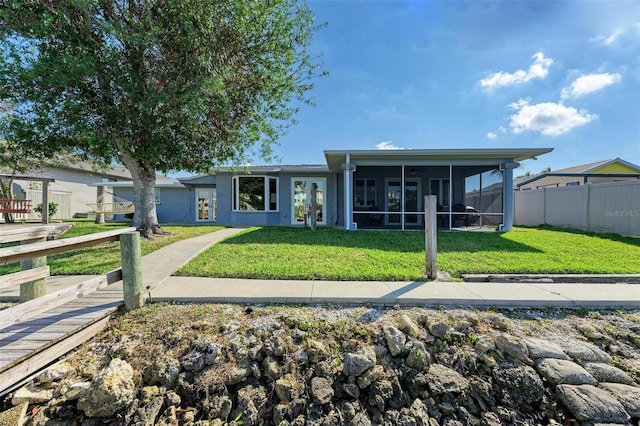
{"points": [[602, 207]]}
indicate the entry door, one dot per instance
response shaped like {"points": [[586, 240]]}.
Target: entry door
{"points": [[394, 201], [205, 205], [301, 203]]}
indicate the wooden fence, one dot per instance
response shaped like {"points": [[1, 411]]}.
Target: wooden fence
{"points": [[31, 279]]}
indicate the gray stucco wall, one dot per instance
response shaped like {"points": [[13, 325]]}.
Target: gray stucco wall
{"points": [[176, 204]]}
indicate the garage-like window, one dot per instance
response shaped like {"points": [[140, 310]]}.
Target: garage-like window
{"points": [[255, 193]]}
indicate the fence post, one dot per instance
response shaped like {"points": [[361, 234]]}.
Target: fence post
{"points": [[100, 207], [37, 288], [430, 235], [131, 270]]}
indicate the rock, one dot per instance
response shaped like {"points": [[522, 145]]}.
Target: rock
{"points": [[438, 328], [249, 399], [32, 395], [237, 374], [443, 380], [193, 361], [270, 366], [288, 388], [516, 384], [607, 373], [380, 392], [484, 344], [513, 346], [395, 339], [172, 398], [560, 371], [588, 403], [209, 352], [162, 371], [146, 416], [147, 393], [370, 376], [490, 419], [583, 351], [589, 331], [14, 416], [55, 373], [629, 396], [540, 348], [419, 358], [358, 363], [408, 326], [316, 350], [76, 390], [352, 390], [419, 412], [110, 392], [321, 390]]}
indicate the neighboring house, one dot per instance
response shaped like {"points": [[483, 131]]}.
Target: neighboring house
{"points": [[381, 189], [612, 170], [72, 189]]}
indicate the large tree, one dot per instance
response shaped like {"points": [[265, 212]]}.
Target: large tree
{"points": [[157, 85]]}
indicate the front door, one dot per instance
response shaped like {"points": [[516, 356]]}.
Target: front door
{"points": [[301, 190], [205, 205], [394, 201]]}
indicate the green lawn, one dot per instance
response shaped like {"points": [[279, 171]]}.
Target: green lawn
{"points": [[105, 257], [332, 254]]}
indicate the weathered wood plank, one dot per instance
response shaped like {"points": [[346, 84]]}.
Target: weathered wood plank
{"points": [[14, 235], [28, 309], [14, 373], [18, 253], [24, 276]]}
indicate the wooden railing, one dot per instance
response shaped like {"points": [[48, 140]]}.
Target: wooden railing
{"points": [[32, 255], [8, 205]]}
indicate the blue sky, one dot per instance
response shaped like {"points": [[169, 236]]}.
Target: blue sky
{"points": [[432, 74]]}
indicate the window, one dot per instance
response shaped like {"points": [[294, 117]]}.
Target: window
{"points": [[156, 194], [365, 193], [255, 193]]}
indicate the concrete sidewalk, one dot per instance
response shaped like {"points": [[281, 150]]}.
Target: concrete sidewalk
{"points": [[158, 266]]}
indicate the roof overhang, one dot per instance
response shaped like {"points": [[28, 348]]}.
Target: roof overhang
{"points": [[432, 157]]}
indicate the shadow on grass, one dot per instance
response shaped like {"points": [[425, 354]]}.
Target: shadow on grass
{"points": [[396, 241]]}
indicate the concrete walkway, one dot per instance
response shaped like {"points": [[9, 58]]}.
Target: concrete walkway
{"points": [[158, 266]]}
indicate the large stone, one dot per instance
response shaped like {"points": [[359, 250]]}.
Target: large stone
{"points": [[55, 373], [484, 343], [14, 416], [607, 373], [438, 328], [288, 388], [540, 348], [584, 351], [629, 396], [163, 371], [321, 390], [357, 363], [395, 339], [513, 346], [418, 358], [560, 371], [146, 416], [408, 326], [110, 392], [193, 361], [443, 380], [516, 384], [588, 403], [370, 376], [32, 395]]}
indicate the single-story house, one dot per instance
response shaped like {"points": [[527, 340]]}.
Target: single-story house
{"points": [[381, 189], [611, 170]]}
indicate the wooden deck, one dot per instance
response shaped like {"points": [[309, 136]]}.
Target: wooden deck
{"points": [[28, 346]]}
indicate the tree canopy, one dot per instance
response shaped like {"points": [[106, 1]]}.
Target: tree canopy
{"points": [[157, 85]]}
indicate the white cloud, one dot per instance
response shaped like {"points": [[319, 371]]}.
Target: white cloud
{"points": [[590, 83], [491, 135], [387, 145], [606, 40], [548, 118], [538, 70]]}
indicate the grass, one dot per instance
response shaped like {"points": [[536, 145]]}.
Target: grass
{"points": [[332, 254], [105, 257]]}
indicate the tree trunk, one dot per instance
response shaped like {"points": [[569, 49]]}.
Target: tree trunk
{"points": [[144, 180]]}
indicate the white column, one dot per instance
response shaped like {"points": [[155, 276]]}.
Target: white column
{"points": [[348, 197], [507, 191], [402, 200]]}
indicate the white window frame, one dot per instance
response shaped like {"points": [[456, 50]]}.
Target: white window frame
{"points": [[441, 192], [364, 198], [324, 197], [212, 204], [267, 202]]}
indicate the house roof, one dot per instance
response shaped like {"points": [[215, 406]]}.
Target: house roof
{"points": [[434, 157], [580, 170], [278, 168], [161, 182]]}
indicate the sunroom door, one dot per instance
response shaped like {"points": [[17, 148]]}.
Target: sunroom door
{"points": [[301, 203], [394, 201], [205, 205]]}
